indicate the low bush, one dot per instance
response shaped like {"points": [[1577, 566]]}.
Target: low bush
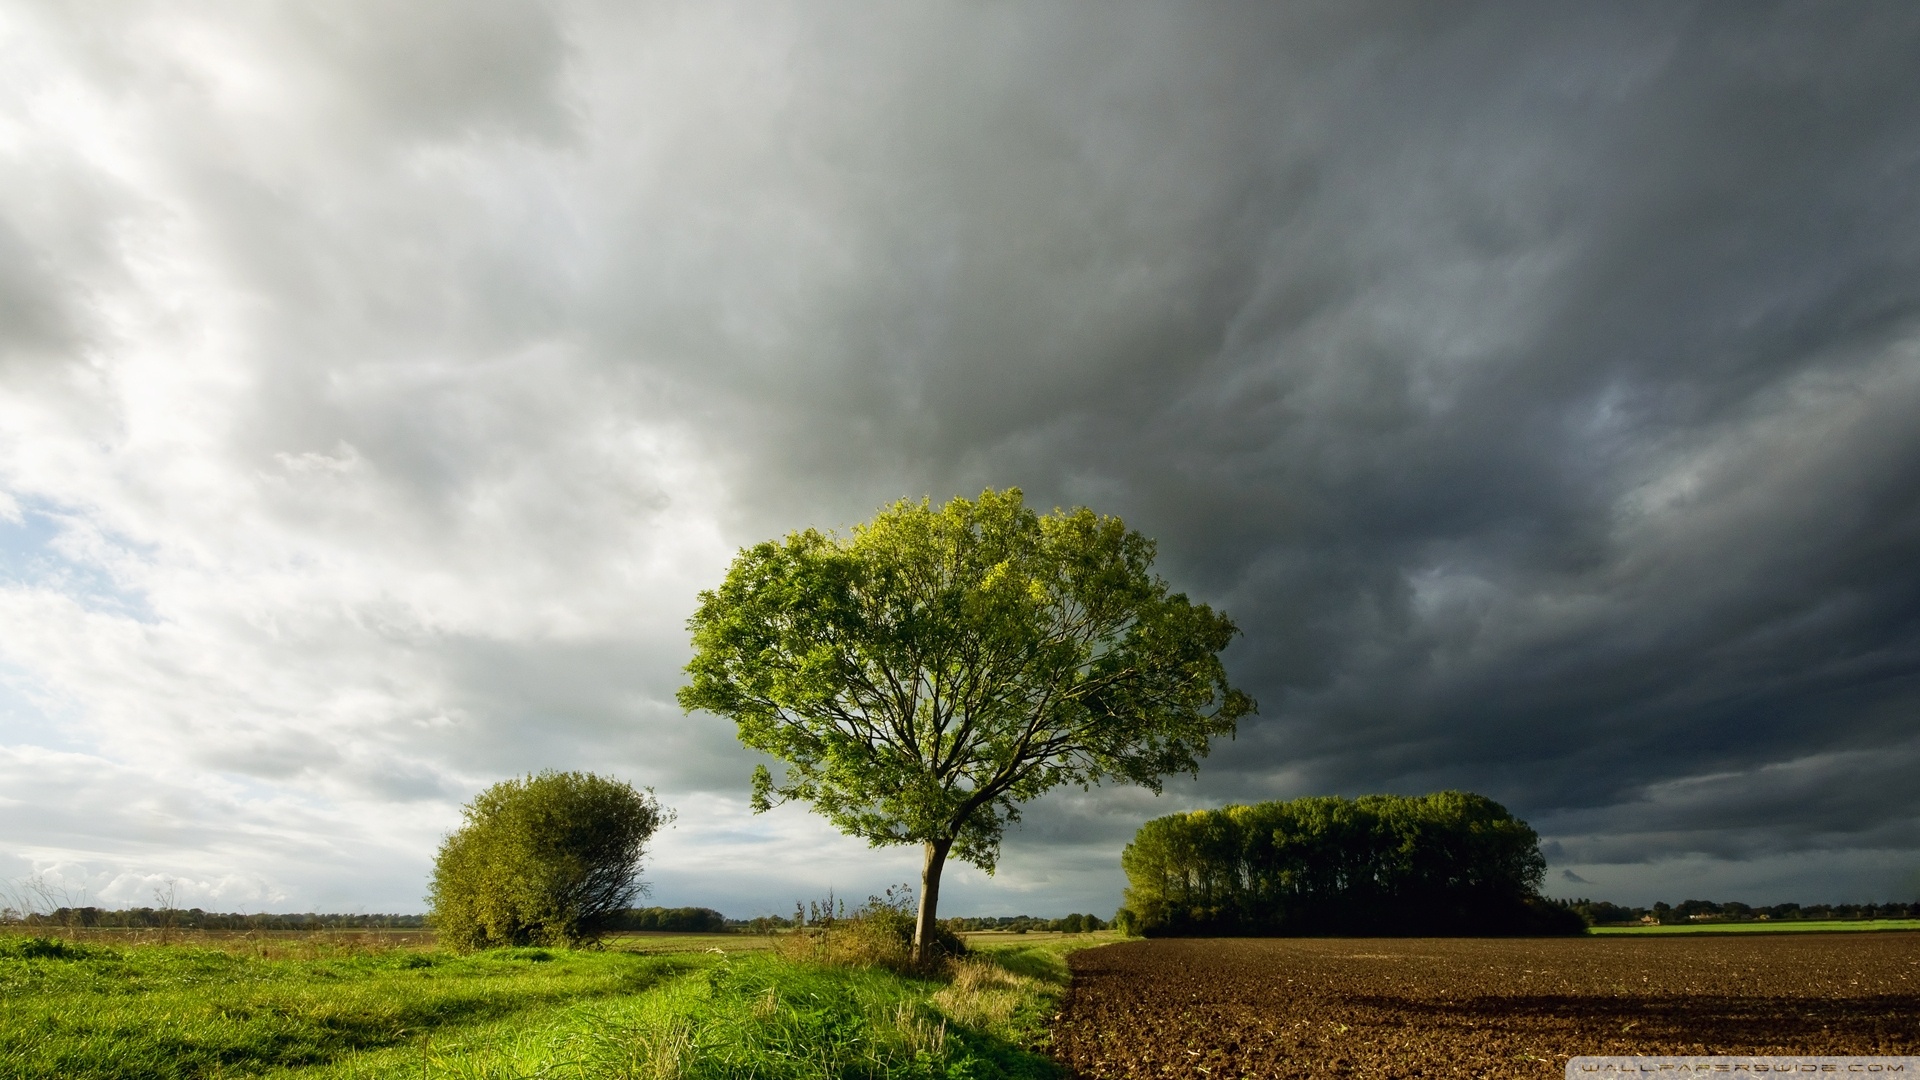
{"points": [[551, 859], [879, 933]]}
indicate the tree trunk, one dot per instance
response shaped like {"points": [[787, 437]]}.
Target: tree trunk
{"points": [[929, 899]]}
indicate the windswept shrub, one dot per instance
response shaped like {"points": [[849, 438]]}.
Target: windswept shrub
{"points": [[546, 860]]}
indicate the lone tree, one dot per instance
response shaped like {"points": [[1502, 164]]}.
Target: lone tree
{"points": [[925, 675], [546, 860]]}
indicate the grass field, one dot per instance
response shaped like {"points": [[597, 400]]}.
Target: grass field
{"points": [[1782, 926], [334, 1008], [388, 1005]]}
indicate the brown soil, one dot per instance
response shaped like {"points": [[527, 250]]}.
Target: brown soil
{"points": [[1454, 1007]]}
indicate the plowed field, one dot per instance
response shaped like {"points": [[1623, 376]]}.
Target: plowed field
{"points": [[1453, 1007]]}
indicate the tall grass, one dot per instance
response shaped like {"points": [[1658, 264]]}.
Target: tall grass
{"points": [[818, 1006], [163, 1012], [748, 1016]]}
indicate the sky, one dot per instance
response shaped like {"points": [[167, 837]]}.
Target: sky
{"points": [[1533, 384]]}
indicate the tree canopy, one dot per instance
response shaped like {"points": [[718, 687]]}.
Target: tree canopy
{"points": [[1447, 863], [551, 859], [923, 676]]}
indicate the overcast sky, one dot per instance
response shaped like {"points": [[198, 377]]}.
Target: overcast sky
{"points": [[1536, 385]]}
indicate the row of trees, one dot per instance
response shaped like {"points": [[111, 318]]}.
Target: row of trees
{"points": [[1018, 924], [148, 918], [1602, 913], [1446, 863], [682, 920], [1021, 924]]}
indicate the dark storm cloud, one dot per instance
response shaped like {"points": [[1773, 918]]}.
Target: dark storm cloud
{"points": [[1533, 384], [441, 68]]}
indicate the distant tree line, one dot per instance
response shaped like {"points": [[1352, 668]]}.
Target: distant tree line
{"points": [[685, 920], [1020, 924], [690, 920], [1602, 913], [143, 918], [1446, 863]]}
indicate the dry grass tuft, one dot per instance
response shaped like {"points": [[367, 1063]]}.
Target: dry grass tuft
{"points": [[982, 994], [857, 943], [923, 1035]]}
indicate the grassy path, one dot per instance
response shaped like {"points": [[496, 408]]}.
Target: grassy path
{"points": [[182, 1011]]}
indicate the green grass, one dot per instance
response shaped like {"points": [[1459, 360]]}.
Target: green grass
{"points": [[1771, 926], [184, 1011], [662, 942]]}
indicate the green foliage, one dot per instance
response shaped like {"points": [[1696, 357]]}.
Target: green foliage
{"points": [[924, 676], [546, 860], [1078, 924], [1446, 863]]}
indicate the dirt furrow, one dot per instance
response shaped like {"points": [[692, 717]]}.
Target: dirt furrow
{"points": [[1457, 1007]]}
